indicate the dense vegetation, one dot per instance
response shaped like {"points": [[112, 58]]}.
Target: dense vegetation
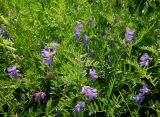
{"points": [[66, 58]]}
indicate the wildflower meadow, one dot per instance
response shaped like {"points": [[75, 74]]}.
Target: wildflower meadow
{"points": [[79, 58]]}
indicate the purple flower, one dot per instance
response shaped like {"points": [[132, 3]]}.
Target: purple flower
{"points": [[144, 60], [130, 35], [145, 57], [12, 71], [93, 74], [79, 106], [48, 55], [86, 40], [4, 34], [144, 89], [144, 63], [89, 92], [139, 97], [46, 52], [78, 30], [39, 95], [48, 61]]}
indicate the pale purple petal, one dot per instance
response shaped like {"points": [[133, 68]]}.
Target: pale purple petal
{"points": [[89, 92], [130, 35], [139, 98], [78, 30], [79, 106], [144, 60], [144, 89], [93, 74], [48, 61], [12, 71]]}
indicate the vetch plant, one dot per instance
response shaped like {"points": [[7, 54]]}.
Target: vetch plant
{"points": [[93, 74], [78, 31], [141, 96], [80, 106], [4, 33], [48, 55], [86, 40], [144, 60], [14, 72], [130, 35], [89, 92], [108, 54]]}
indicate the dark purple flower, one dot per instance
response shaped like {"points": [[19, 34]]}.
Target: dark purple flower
{"points": [[130, 35], [139, 97], [144, 60], [12, 71], [144, 89], [4, 34], [93, 74], [78, 30], [39, 95], [89, 92], [79, 106]]}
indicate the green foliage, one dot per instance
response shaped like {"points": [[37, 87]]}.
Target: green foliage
{"points": [[32, 24]]}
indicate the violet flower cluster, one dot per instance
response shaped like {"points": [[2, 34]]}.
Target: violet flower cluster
{"points": [[89, 92], [78, 31], [80, 106], [48, 53], [4, 34], [144, 60], [130, 35], [86, 40], [93, 74], [14, 72], [141, 96], [39, 96]]}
